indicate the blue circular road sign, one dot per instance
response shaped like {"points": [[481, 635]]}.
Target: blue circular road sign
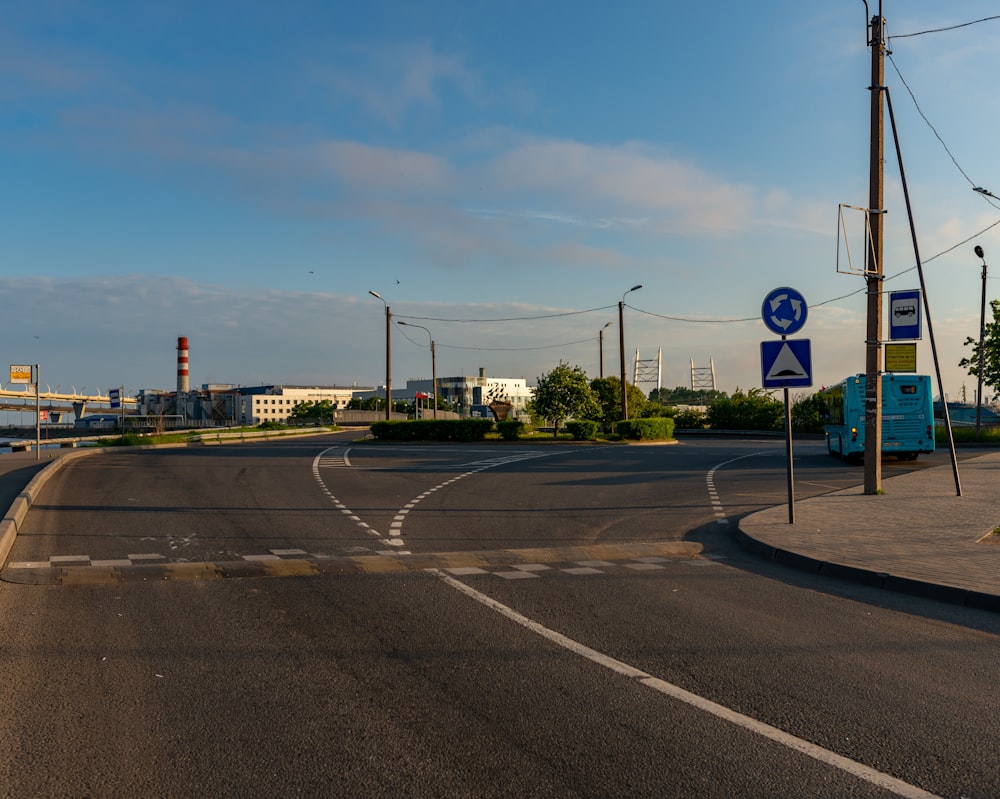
{"points": [[784, 311]]}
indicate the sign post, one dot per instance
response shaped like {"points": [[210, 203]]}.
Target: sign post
{"points": [[786, 363]]}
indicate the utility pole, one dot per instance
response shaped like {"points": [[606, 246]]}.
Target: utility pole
{"points": [[873, 269]]}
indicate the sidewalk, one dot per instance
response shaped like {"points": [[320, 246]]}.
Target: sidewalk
{"points": [[918, 537]]}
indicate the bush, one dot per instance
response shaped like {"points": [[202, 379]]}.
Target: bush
{"points": [[807, 413], [583, 429], [754, 410], [433, 430], [659, 428], [510, 430], [689, 419]]}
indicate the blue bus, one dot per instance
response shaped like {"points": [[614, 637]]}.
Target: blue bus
{"points": [[907, 416]]}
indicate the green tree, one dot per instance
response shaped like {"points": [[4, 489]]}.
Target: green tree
{"points": [[806, 413], [608, 391], [685, 396], [310, 410], [564, 393], [991, 351], [753, 410]]}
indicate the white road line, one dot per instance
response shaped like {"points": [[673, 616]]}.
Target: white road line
{"points": [[713, 494], [852, 767], [330, 457]]}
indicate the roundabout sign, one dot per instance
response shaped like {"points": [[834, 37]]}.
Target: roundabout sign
{"points": [[784, 311]]}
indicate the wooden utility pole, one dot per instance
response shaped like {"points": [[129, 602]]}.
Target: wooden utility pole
{"points": [[873, 268]]}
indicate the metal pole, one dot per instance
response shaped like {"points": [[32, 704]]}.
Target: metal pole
{"points": [[621, 348], [873, 340], [982, 340], [788, 455], [600, 338], [923, 290], [388, 356], [434, 378], [38, 412], [388, 363]]}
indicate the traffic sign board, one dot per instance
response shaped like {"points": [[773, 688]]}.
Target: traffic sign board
{"points": [[904, 315], [786, 363], [784, 311]]}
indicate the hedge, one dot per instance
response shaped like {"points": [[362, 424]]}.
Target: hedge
{"points": [[433, 430], [655, 428], [583, 429]]}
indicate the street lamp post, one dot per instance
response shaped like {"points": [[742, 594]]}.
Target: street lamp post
{"points": [[600, 336], [434, 376], [982, 340], [621, 348], [388, 355]]}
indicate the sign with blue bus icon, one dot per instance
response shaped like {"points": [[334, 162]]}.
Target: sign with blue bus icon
{"points": [[904, 315]]}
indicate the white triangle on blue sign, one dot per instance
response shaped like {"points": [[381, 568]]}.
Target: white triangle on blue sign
{"points": [[786, 365]]}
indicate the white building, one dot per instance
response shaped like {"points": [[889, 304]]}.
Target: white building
{"points": [[259, 404], [468, 396]]}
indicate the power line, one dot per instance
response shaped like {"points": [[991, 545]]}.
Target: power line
{"points": [[507, 319], [928, 122], [941, 30], [517, 349]]}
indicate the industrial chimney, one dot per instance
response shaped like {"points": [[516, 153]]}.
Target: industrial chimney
{"points": [[182, 366]]}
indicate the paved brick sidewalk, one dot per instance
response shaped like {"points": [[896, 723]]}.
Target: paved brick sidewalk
{"points": [[918, 537]]}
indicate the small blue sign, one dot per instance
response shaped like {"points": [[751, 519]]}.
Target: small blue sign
{"points": [[786, 363], [114, 395], [904, 315], [784, 311]]}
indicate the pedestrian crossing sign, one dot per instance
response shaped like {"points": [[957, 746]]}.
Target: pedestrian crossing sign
{"points": [[786, 363]]}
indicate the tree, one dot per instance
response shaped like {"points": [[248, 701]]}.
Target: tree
{"points": [[753, 410], [991, 351], [685, 396], [608, 391], [312, 410], [564, 393], [807, 413]]}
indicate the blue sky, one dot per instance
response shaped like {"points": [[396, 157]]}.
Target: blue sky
{"points": [[501, 173]]}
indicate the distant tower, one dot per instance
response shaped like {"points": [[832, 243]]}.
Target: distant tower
{"points": [[702, 378], [182, 366], [648, 372]]}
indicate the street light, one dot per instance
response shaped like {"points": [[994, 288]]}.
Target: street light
{"points": [[600, 337], [434, 375], [982, 337], [388, 355], [621, 348]]}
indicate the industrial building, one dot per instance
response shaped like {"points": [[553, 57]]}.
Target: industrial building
{"points": [[467, 396]]}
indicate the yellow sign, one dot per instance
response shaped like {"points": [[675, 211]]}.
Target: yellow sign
{"points": [[901, 357], [20, 374]]}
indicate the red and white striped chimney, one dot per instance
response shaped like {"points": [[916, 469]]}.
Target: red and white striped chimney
{"points": [[182, 365]]}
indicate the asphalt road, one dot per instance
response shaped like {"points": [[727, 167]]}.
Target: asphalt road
{"points": [[718, 676]]}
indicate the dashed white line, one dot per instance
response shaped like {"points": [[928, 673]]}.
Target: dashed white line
{"points": [[848, 766]]}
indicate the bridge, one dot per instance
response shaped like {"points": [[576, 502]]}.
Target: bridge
{"points": [[56, 403]]}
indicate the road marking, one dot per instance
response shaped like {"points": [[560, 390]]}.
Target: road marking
{"points": [[713, 495], [852, 767], [332, 457], [539, 561]]}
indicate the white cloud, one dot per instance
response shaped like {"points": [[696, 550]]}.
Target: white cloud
{"points": [[391, 80]]}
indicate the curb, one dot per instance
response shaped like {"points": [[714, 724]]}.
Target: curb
{"points": [[872, 578], [14, 517]]}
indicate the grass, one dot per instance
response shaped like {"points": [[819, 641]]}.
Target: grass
{"points": [[967, 435]]}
